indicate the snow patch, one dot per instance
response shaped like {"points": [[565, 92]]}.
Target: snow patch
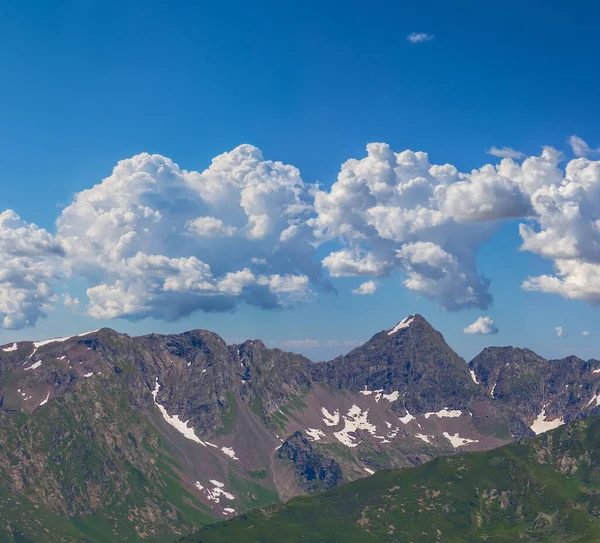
{"points": [[88, 374], [406, 418], [228, 510], [229, 452], [445, 413], [13, 347], [314, 433], [596, 398], [329, 419], [175, 421], [474, 377], [541, 425], [38, 344], [216, 492], [493, 388], [391, 397], [404, 323], [423, 437], [369, 471], [34, 366], [595, 371], [45, 400], [458, 441], [355, 419]]}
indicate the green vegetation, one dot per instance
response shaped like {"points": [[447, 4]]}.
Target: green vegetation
{"points": [[91, 469], [228, 416], [542, 490]]}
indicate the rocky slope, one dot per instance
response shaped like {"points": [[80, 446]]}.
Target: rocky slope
{"points": [[158, 434], [546, 489]]}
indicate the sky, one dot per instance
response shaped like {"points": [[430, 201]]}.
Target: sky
{"points": [[305, 173]]}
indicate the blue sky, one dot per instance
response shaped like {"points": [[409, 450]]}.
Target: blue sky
{"points": [[87, 84]]}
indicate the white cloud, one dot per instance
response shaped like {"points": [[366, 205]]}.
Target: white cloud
{"points": [[317, 343], [506, 152], [585, 333], [560, 331], [30, 267], [581, 148], [395, 211], [482, 326], [70, 301], [156, 240], [209, 227], [418, 37], [366, 288]]}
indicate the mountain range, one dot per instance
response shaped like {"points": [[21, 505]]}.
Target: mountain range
{"points": [[106, 437], [543, 490]]}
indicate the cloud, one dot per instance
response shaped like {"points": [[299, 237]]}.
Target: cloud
{"points": [[482, 326], [317, 343], [567, 231], [581, 148], [30, 268], [506, 152], [560, 331], [70, 301], [395, 211], [155, 240], [585, 333], [419, 37], [366, 288]]}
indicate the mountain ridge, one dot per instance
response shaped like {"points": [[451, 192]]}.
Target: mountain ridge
{"points": [[243, 425]]}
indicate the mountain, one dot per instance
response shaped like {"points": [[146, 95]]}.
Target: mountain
{"points": [[107, 437], [545, 490]]}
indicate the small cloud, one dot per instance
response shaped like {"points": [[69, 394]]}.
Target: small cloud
{"points": [[317, 343], [505, 152], [70, 301], [368, 287], [418, 37], [482, 326], [585, 333], [560, 331], [580, 147]]}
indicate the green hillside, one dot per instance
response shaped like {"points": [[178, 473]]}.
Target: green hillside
{"points": [[543, 490]]}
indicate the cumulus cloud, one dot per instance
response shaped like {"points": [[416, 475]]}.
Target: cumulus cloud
{"points": [[396, 211], [482, 326], [505, 152], [30, 267], [585, 333], [561, 332], [419, 37], [366, 288], [567, 231], [581, 148], [156, 240]]}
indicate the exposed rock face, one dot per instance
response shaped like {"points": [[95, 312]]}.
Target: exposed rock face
{"points": [[104, 422], [313, 469], [413, 360]]}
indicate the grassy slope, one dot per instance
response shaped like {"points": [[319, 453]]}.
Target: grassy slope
{"points": [[88, 467], [543, 490]]}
